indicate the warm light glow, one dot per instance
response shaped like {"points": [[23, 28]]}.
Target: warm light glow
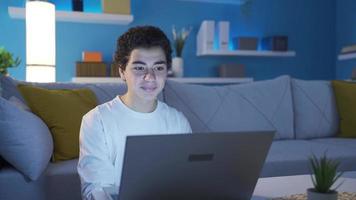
{"points": [[40, 41], [40, 74]]}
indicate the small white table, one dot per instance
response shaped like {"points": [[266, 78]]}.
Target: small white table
{"points": [[273, 187]]}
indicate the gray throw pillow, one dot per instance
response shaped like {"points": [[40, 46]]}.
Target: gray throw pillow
{"points": [[315, 111], [3, 163], [257, 106], [8, 88], [25, 141]]}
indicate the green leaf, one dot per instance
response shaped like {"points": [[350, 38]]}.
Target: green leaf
{"points": [[7, 60], [325, 173], [179, 38]]}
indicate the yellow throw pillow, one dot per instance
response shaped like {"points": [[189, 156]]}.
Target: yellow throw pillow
{"points": [[62, 111], [345, 93]]}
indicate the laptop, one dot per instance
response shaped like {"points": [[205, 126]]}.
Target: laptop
{"points": [[209, 166]]}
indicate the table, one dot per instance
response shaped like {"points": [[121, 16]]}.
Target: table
{"points": [[274, 187], [341, 196]]}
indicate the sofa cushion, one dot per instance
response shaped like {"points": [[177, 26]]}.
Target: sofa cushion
{"points": [[19, 103], [62, 111], [8, 88], [345, 93], [59, 181], [2, 162], [103, 91], [351, 174], [25, 141], [315, 113], [262, 105], [291, 157], [343, 142]]}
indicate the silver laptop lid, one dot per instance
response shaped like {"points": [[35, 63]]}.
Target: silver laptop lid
{"points": [[209, 166]]}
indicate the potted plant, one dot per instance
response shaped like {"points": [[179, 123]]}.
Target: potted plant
{"points": [[7, 61], [325, 175], [179, 38]]}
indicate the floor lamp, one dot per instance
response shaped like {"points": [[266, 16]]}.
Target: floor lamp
{"points": [[40, 41]]}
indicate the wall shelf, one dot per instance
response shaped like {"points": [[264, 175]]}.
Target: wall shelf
{"points": [[247, 53], [81, 17], [347, 56], [206, 38]]}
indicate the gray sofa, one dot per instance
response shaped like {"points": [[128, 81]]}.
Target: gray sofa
{"points": [[303, 114]]}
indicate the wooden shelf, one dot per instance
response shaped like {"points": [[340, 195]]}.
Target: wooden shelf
{"points": [[247, 53], [81, 17], [347, 56], [194, 80]]}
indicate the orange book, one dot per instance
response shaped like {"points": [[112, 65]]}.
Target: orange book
{"points": [[92, 56]]}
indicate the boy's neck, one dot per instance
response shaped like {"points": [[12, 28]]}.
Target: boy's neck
{"points": [[138, 105]]}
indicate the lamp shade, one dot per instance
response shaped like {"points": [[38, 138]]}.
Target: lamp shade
{"points": [[40, 42]]}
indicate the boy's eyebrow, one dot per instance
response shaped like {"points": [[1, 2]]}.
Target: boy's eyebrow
{"points": [[160, 62], [139, 62], [143, 63]]}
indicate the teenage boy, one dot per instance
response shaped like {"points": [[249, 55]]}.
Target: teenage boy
{"points": [[143, 55]]}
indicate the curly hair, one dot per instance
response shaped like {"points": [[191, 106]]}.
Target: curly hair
{"points": [[141, 37]]}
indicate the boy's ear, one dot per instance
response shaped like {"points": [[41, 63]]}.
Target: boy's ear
{"points": [[121, 72]]}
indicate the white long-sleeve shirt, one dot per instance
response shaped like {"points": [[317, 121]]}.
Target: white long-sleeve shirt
{"points": [[103, 136]]}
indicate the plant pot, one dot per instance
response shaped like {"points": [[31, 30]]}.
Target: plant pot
{"points": [[178, 66], [313, 195]]}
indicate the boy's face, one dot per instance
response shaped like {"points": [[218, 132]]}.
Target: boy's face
{"points": [[145, 73]]}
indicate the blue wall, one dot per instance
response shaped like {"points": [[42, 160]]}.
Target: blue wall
{"points": [[310, 26], [346, 35]]}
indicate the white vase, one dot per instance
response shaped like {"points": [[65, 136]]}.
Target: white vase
{"points": [[312, 195], [178, 66]]}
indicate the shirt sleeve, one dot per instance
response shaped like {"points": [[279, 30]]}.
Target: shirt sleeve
{"points": [[184, 124], [94, 166]]}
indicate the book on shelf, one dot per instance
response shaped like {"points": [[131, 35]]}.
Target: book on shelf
{"points": [[245, 43], [223, 32], [92, 56], [349, 49], [275, 43], [90, 69], [205, 36]]}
